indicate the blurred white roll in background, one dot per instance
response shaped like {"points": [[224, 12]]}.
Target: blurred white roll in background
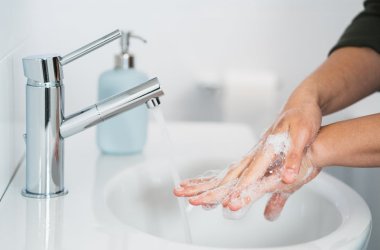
{"points": [[251, 97]]}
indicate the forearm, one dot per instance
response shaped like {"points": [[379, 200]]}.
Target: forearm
{"points": [[348, 75], [352, 143]]}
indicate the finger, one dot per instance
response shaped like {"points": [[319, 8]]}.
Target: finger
{"points": [[211, 197], [218, 194], [262, 175], [243, 197], [249, 182], [275, 205], [277, 201], [256, 169], [236, 170], [266, 132], [299, 139], [238, 201], [196, 189], [191, 187], [305, 175], [195, 181]]}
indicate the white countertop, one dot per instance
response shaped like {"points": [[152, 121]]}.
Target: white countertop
{"points": [[80, 220]]}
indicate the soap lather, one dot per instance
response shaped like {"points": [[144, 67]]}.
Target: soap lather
{"points": [[127, 133]]}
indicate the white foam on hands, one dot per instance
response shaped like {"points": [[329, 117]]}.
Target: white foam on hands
{"points": [[240, 195]]}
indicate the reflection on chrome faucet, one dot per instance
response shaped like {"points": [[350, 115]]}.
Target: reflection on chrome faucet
{"points": [[44, 224], [47, 126]]}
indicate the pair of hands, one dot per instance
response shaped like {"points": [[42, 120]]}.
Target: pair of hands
{"points": [[279, 164]]}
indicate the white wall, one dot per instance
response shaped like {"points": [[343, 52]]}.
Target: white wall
{"points": [[187, 39], [190, 39], [13, 33]]}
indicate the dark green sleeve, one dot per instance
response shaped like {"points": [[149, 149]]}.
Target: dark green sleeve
{"points": [[364, 31]]}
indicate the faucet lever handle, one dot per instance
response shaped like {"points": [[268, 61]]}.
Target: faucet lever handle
{"points": [[90, 47]]}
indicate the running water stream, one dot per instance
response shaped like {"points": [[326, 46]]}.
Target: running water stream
{"points": [[159, 117]]}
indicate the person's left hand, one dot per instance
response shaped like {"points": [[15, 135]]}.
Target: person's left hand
{"points": [[257, 174]]}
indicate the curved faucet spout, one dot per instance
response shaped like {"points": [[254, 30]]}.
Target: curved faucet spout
{"points": [[111, 107]]}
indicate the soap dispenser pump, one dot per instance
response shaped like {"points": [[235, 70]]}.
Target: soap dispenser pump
{"points": [[127, 133]]}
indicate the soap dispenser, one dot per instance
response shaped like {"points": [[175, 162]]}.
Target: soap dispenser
{"points": [[125, 134]]}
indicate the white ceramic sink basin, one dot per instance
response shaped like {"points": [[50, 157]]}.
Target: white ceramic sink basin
{"points": [[126, 202], [325, 214]]}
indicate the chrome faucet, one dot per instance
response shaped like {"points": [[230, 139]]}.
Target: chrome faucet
{"points": [[46, 123]]}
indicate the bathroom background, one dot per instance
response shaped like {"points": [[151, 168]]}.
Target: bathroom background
{"points": [[230, 60]]}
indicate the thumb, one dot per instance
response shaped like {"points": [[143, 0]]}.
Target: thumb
{"points": [[299, 139]]}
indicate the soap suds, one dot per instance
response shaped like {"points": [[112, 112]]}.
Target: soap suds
{"points": [[235, 195], [280, 143]]}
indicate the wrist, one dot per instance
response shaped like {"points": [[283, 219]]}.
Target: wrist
{"points": [[304, 96], [319, 153]]}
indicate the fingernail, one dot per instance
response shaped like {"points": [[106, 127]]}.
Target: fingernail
{"points": [[272, 216], [179, 191], [193, 201]]}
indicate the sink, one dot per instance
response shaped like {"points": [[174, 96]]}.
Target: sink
{"points": [[324, 214], [126, 202]]}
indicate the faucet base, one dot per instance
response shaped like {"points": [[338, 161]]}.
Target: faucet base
{"points": [[27, 194]]}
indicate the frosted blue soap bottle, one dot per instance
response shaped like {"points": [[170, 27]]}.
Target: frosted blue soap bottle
{"points": [[125, 134]]}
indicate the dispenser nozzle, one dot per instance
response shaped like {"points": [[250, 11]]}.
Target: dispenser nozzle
{"points": [[125, 41]]}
